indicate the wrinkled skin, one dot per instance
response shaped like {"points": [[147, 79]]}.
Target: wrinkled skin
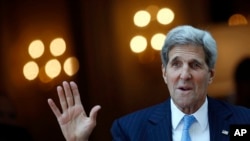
{"points": [[187, 76]]}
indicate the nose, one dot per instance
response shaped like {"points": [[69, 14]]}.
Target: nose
{"points": [[185, 73]]}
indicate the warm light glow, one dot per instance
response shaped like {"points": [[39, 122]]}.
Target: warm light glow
{"points": [[53, 68], [71, 66], [157, 41], [57, 47], [138, 44], [165, 16], [237, 19], [30, 70], [43, 76], [142, 18], [36, 49], [153, 9]]}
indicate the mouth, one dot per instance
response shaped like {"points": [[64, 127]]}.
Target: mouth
{"points": [[184, 88]]}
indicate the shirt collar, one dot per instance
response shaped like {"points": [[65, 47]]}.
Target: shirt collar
{"points": [[201, 115]]}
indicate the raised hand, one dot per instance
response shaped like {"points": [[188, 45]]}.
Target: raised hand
{"points": [[73, 121]]}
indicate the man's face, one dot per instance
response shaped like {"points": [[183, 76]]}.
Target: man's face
{"points": [[187, 76]]}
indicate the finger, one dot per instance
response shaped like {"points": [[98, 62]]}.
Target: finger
{"points": [[68, 94], [54, 108], [94, 111], [62, 99], [76, 94]]}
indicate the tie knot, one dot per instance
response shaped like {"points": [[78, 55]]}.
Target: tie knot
{"points": [[188, 121]]}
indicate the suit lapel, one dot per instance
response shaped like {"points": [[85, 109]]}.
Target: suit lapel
{"points": [[160, 127], [218, 125]]}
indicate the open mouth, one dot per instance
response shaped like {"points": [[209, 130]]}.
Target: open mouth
{"points": [[185, 88]]}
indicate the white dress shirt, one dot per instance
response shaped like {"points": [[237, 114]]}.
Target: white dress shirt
{"points": [[199, 130]]}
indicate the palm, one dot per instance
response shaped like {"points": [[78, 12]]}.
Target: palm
{"points": [[73, 121]]}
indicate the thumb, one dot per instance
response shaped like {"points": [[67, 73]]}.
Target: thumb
{"points": [[94, 111]]}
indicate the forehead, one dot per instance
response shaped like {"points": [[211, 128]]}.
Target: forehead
{"points": [[187, 52]]}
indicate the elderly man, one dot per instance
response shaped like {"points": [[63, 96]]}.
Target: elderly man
{"points": [[188, 59]]}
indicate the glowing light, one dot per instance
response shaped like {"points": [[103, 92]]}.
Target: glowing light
{"points": [[165, 16], [237, 19], [43, 76], [36, 49], [53, 68], [138, 44], [153, 9], [142, 18], [157, 41], [57, 46], [30, 70], [71, 66]]}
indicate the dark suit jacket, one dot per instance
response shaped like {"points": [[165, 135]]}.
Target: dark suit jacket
{"points": [[154, 123]]}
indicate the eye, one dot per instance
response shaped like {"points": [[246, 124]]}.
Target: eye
{"points": [[196, 65], [176, 64]]}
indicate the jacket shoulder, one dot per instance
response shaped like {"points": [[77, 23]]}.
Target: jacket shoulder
{"points": [[134, 125], [236, 113], [146, 113]]}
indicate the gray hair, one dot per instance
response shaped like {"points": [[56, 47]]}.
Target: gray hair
{"points": [[188, 35]]}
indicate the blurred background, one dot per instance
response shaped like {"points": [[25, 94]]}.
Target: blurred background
{"points": [[111, 49]]}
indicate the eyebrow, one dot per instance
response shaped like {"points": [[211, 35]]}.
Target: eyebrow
{"points": [[177, 57], [174, 59]]}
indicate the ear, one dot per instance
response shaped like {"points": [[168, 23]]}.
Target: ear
{"points": [[164, 73], [212, 73]]}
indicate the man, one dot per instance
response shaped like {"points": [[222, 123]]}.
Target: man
{"points": [[188, 59]]}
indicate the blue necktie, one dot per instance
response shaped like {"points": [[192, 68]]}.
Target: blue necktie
{"points": [[188, 121]]}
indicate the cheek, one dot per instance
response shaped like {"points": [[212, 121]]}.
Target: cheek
{"points": [[171, 76], [172, 79], [201, 81]]}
